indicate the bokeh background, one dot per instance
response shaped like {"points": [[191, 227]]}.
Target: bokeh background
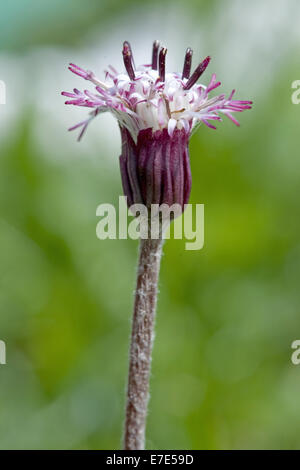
{"points": [[227, 315]]}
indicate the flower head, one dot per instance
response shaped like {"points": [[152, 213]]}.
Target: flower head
{"points": [[157, 112]]}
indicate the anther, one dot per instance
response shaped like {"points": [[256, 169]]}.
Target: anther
{"points": [[155, 50], [197, 73], [162, 64], [187, 63], [128, 60]]}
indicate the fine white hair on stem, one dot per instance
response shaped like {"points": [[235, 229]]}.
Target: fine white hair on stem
{"points": [[142, 337]]}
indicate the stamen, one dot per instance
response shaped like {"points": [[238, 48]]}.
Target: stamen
{"points": [[197, 73], [128, 60], [155, 54], [187, 63], [168, 109], [162, 64], [178, 111], [132, 58]]}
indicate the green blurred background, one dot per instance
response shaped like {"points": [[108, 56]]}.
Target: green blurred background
{"points": [[222, 376]]}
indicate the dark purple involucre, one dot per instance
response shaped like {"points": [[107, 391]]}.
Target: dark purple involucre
{"points": [[156, 169]]}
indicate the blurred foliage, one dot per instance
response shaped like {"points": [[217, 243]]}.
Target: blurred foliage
{"points": [[227, 315], [63, 23]]}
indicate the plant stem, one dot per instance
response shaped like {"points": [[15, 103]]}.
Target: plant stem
{"points": [[142, 336]]}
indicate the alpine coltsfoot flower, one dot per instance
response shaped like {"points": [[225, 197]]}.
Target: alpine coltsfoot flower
{"points": [[156, 112]]}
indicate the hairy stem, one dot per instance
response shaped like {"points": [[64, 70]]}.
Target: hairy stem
{"points": [[141, 343]]}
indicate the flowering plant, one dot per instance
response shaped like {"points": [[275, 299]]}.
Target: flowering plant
{"points": [[157, 112]]}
